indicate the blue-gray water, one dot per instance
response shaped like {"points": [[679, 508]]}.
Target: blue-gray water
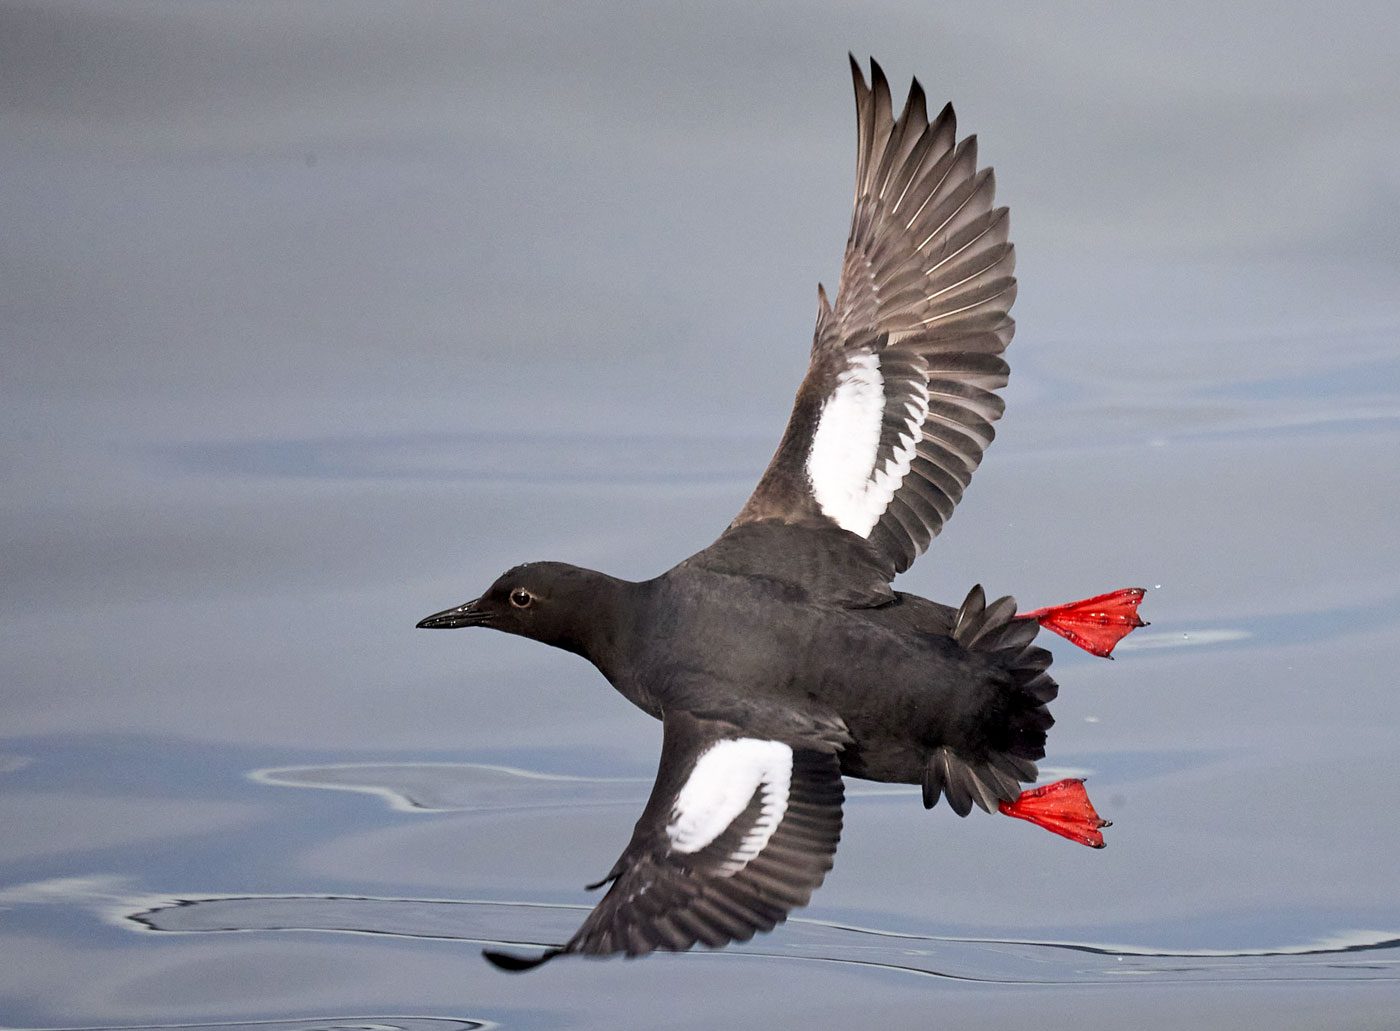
{"points": [[316, 317]]}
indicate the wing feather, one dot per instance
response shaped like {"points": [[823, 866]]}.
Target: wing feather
{"points": [[906, 363], [684, 879]]}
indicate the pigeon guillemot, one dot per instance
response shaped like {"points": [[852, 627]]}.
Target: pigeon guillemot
{"points": [[779, 659]]}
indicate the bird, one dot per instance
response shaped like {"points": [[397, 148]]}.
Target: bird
{"points": [[780, 659]]}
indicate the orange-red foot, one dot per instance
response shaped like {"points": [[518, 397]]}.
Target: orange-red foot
{"points": [[1062, 808], [1095, 624]]}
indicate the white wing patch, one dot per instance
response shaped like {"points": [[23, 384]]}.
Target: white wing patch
{"points": [[846, 443], [724, 780]]}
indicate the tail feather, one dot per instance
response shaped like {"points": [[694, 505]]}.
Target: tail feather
{"points": [[1041, 688], [933, 780], [1015, 634], [1011, 734], [1023, 770], [992, 621]]}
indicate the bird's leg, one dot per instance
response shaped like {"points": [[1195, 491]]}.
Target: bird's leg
{"points": [[1062, 808], [1095, 624]]}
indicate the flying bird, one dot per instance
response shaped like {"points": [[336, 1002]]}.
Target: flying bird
{"points": [[780, 659]]}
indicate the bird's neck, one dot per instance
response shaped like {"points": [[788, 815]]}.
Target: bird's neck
{"points": [[606, 629]]}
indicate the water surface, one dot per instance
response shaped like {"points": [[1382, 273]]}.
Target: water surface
{"points": [[318, 318]]}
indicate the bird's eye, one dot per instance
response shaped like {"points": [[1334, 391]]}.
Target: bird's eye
{"points": [[521, 598]]}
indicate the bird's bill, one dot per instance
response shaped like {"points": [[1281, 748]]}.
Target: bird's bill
{"points": [[469, 614]]}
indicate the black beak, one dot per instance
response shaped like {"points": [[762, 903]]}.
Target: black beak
{"points": [[470, 614]]}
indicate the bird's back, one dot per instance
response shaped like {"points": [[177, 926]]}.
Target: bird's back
{"points": [[890, 672]]}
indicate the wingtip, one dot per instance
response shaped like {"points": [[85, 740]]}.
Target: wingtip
{"points": [[946, 117], [878, 82], [518, 964], [915, 105]]}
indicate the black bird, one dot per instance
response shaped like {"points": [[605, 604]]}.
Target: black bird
{"points": [[779, 658]]}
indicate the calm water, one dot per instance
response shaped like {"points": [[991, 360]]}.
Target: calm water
{"points": [[316, 318]]}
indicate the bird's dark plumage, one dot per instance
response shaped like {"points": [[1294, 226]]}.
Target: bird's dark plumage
{"points": [[910, 355], [780, 658]]}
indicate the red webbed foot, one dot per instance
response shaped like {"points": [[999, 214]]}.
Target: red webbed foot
{"points": [[1062, 808], [1095, 624]]}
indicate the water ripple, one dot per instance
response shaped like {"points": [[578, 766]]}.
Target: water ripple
{"points": [[993, 960], [1343, 956]]}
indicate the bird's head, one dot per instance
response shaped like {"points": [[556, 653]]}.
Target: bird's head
{"points": [[550, 602]]}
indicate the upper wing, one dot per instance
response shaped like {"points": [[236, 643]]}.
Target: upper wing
{"points": [[739, 829], [898, 403]]}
